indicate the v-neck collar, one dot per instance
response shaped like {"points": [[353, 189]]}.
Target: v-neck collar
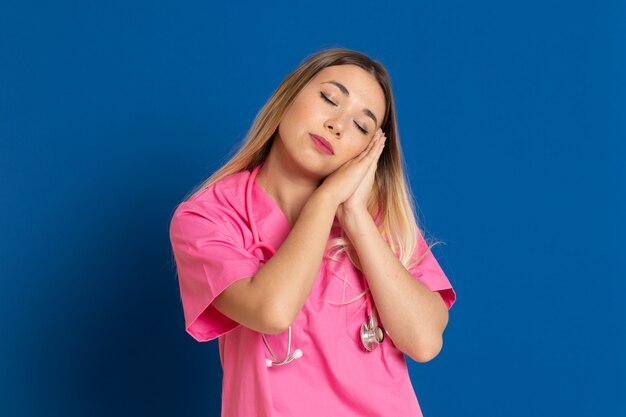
{"points": [[271, 222]]}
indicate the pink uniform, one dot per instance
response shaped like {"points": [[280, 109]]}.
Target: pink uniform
{"points": [[335, 376]]}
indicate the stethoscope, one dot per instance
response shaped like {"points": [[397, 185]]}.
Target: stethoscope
{"points": [[371, 334]]}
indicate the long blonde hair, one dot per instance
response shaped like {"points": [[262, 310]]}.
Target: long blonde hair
{"points": [[390, 201]]}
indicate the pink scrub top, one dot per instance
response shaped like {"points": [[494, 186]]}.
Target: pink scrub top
{"points": [[335, 376]]}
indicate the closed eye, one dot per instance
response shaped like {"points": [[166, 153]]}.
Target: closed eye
{"points": [[326, 98], [364, 131]]}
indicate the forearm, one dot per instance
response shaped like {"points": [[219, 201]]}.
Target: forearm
{"points": [[413, 315], [286, 280]]}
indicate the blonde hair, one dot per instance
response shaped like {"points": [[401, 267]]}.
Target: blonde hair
{"points": [[390, 201]]}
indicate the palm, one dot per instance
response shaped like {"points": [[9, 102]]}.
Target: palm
{"points": [[358, 199], [352, 183]]}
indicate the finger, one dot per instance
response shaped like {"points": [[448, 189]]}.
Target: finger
{"points": [[376, 151], [369, 176], [383, 141], [373, 145], [371, 170], [376, 156]]}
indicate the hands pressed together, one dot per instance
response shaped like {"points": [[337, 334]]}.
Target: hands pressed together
{"points": [[351, 184]]}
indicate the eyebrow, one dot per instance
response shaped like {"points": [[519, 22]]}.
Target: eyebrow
{"points": [[345, 91]]}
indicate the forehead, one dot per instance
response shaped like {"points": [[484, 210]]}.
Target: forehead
{"points": [[363, 87]]}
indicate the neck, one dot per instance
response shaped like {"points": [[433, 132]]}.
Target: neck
{"points": [[286, 184]]}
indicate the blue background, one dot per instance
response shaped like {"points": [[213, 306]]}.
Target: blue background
{"points": [[513, 120]]}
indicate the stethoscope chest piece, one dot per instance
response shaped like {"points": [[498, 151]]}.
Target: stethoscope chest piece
{"points": [[371, 334]]}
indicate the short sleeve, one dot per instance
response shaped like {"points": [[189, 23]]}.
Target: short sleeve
{"points": [[208, 260], [430, 273]]}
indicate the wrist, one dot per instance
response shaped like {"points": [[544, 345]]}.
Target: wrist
{"points": [[324, 200], [324, 197], [355, 219]]}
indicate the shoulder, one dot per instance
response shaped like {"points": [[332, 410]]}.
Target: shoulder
{"points": [[220, 203], [225, 191]]}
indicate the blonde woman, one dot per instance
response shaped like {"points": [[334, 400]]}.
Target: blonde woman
{"points": [[302, 254]]}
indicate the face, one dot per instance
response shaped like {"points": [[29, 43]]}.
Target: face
{"points": [[343, 104]]}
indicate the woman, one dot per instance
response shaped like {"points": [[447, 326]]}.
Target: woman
{"points": [[303, 256]]}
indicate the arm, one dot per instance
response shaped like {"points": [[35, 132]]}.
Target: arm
{"points": [[273, 298], [270, 301], [413, 315], [275, 295]]}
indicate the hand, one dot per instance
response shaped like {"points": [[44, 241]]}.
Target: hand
{"points": [[352, 182], [358, 200]]}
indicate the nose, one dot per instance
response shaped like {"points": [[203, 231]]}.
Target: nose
{"points": [[334, 126]]}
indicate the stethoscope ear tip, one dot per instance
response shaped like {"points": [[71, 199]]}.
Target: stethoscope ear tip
{"points": [[296, 355]]}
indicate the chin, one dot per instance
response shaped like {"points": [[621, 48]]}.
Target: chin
{"points": [[315, 169]]}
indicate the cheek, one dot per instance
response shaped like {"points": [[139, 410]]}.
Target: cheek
{"points": [[355, 151], [360, 148], [302, 108]]}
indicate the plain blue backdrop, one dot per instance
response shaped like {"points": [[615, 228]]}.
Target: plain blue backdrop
{"points": [[512, 117]]}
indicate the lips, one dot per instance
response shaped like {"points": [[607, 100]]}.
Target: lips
{"points": [[323, 142]]}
